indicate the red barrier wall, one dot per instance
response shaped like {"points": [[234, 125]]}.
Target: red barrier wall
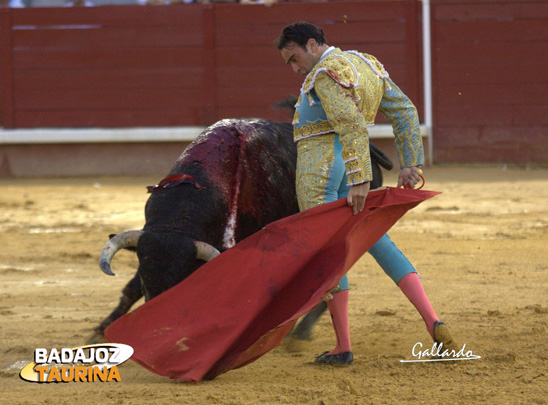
{"points": [[128, 66], [106, 67], [183, 64], [490, 79]]}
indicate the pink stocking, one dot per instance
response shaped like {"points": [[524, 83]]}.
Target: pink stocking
{"points": [[412, 288], [338, 307]]}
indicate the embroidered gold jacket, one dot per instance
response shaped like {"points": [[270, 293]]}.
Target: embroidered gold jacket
{"points": [[342, 95]]}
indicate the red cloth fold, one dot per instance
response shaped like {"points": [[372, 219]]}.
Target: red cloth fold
{"points": [[241, 304]]}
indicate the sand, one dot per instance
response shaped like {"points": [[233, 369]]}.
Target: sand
{"points": [[481, 248]]}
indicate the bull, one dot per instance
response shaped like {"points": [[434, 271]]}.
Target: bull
{"points": [[236, 177]]}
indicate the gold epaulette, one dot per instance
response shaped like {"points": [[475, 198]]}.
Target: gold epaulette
{"points": [[338, 66]]}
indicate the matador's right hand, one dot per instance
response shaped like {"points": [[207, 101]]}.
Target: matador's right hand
{"points": [[356, 197]]}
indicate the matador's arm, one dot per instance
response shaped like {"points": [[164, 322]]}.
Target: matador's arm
{"points": [[399, 110]]}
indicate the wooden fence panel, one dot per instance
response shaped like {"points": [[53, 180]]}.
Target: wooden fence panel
{"points": [[144, 116], [490, 81], [180, 65], [194, 64], [323, 14], [6, 69], [117, 78], [490, 10], [101, 37], [251, 75], [107, 67], [107, 16], [107, 59]]}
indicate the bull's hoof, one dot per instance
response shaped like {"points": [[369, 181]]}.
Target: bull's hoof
{"points": [[340, 359], [303, 331], [294, 344], [96, 338], [444, 339]]}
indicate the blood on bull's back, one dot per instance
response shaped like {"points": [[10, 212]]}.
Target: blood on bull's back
{"points": [[245, 172]]}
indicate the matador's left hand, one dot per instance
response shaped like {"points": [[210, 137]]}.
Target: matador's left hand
{"points": [[409, 176]]}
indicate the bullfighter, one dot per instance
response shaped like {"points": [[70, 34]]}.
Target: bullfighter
{"points": [[339, 99]]}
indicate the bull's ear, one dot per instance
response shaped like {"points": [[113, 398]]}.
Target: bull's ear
{"points": [[131, 248], [287, 103]]}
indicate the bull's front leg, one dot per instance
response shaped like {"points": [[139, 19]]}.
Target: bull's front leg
{"points": [[302, 333], [130, 295]]}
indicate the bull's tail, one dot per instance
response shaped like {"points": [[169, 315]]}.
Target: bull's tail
{"points": [[380, 158]]}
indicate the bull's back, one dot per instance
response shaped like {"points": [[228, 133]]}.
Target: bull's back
{"points": [[250, 163], [268, 187]]}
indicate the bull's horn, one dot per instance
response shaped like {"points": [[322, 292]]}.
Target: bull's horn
{"points": [[205, 252], [120, 241]]}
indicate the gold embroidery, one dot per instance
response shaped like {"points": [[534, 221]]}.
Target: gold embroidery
{"points": [[317, 127], [316, 159], [338, 66], [352, 88], [397, 108], [349, 122], [367, 86]]}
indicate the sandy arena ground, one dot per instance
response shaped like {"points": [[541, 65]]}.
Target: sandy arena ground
{"points": [[481, 248]]}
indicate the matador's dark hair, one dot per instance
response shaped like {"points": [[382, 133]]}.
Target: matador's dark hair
{"points": [[300, 32]]}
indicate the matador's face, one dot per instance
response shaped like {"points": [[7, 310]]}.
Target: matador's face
{"points": [[302, 61]]}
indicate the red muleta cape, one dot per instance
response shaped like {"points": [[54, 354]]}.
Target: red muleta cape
{"points": [[241, 304]]}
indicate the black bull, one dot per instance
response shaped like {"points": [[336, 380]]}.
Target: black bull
{"points": [[235, 178]]}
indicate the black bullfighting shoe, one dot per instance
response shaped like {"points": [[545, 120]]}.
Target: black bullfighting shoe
{"points": [[340, 359], [444, 340]]}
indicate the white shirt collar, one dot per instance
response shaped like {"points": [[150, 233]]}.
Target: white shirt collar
{"points": [[331, 48]]}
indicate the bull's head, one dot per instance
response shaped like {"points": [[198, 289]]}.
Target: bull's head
{"points": [[164, 260]]}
